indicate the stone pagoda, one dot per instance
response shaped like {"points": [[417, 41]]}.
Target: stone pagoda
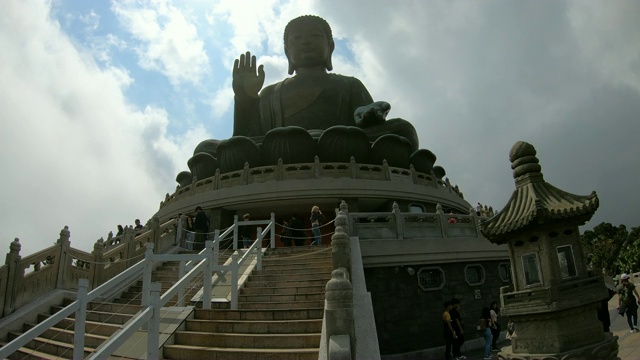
{"points": [[553, 298]]}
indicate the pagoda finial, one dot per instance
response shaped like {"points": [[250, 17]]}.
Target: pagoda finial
{"points": [[523, 159]]}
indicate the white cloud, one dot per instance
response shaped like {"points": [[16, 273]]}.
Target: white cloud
{"points": [[76, 152], [169, 40]]}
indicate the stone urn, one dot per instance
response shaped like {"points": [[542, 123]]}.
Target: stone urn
{"points": [[423, 160], [339, 143], [394, 148], [439, 172], [235, 151], [184, 178], [292, 144], [202, 165]]}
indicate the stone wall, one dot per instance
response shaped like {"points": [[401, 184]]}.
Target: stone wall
{"points": [[408, 318]]}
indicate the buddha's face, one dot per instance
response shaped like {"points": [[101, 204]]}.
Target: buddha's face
{"points": [[307, 45]]}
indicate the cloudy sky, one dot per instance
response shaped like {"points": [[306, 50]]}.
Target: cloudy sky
{"points": [[102, 102]]}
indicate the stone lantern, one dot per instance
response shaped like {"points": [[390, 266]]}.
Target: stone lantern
{"points": [[553, 298]]}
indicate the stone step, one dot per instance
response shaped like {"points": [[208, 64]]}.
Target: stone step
{"points": [[109, 307], [24, 353], [286, 283], [282, 305], [199, 353], [307, 296], [319, 275], [66, 335], [52, 347], [91, 327], [254, 341], [282, 290], [288, 270], [259, 314], [255, 327], [99, 316]]}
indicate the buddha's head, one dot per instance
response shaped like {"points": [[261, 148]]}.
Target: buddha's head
{"points": [[308, 42]]}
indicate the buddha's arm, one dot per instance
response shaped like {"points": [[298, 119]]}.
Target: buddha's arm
{"points": [[246, 117]]}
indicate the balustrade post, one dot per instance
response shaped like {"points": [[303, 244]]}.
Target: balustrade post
{"points": [[444, 223], [340, 247], [216, 180], [155, 226], [385, 170], [344, 209], [338, 311], [353, 167], [153, 333], [98, 266], [316, 167], [259, 237], [235, 268], [280, 170], [245, 174], [476, 220], [81, 316], [397, 215], [216, 247], [412, 174], [146, 277], [194, 180], [129, 237], [64, 262], [208, 266], [235, 232], [12, 261], [273, 230], [182, 271]]}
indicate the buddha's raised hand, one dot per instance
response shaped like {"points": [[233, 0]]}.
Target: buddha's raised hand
{"points": [[246, 81]]}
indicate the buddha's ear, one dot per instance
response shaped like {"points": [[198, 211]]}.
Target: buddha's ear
{"points": [[291, 69], [328, 64]]}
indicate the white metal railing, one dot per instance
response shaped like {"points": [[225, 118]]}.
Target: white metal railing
{"points": [[131, 273], [152, 300]]}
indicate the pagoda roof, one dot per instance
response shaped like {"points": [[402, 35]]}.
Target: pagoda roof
{"points": [[535, 201]]}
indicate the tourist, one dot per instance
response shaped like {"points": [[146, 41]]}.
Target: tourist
{"points": [[303, 100], [190, 237], [495, 328], [179, 228], [201, 228], [245, 232], [628, 303], [456, 323], [138, 227], [285, 234], [316, 219], [297, 230], [120, 230], [603, 308], [479, 209], [452, 219], [485, 327], [449, 333]]}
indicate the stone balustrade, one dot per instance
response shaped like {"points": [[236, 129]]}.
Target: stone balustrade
{"points": [[399, 225], [23, 279], [315, 170]]}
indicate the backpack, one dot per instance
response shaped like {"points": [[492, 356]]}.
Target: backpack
{"points": [[482, 325]]}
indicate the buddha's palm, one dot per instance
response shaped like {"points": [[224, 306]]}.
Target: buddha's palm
{"points": [[247, 82]]}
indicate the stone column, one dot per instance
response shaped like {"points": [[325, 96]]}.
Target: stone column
{"points": [[63, 260], [12, 261]]}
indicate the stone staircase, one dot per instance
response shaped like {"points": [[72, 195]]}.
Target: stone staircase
{"points": [[279, 316], [103, 318]]}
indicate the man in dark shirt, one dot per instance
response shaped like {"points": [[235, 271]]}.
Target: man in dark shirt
{"points": [[201, 228], [456, 324]]}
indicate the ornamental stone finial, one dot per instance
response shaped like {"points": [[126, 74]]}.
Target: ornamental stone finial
{"points": [[523, 159], [15, 246]]}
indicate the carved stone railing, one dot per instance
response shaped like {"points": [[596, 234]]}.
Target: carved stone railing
{"points": [[544, 298], [59, 267], [348, 328], [315, 170], [398, 225]]}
